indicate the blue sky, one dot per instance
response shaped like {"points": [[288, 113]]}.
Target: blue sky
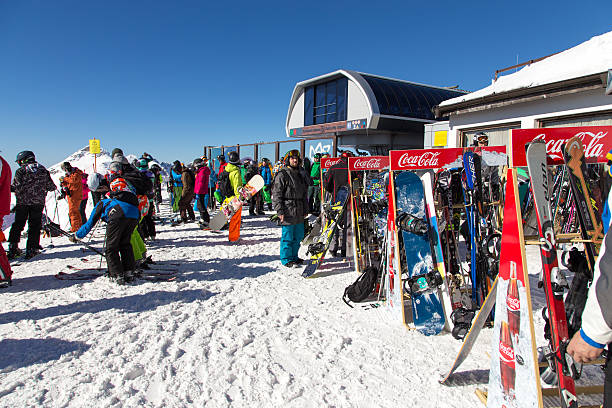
{"points": [[170, 77]]}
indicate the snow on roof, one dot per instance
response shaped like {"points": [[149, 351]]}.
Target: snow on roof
{"points": [[591, 57]]}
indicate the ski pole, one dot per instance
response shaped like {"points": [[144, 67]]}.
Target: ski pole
{"points": [[66, 234], [47, 220], [103, 249]]}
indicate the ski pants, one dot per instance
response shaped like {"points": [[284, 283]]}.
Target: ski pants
{"points": [[138, 246], [314, 199], [185, 207], [146, 227], [201, 204], [33, 215], [74, 204], [290, 242], [82, 208], [338, 243], [119, 254], [177, 192], [256, 204]]}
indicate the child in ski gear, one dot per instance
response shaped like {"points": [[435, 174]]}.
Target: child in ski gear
{"points": [[120, 212], [73, 183], [290, 201], [31, 183], [84, 199], [201, 189], [188, 182], [5, 207]]}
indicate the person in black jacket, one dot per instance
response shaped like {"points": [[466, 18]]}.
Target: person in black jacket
{"points": [[338, 176], [290, 201], [256, 202]]}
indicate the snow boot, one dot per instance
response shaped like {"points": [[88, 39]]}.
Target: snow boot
{"points": [[14, 251]]}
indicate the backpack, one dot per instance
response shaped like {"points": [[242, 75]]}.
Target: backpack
{"points": [[359, 290], [224, 185]]}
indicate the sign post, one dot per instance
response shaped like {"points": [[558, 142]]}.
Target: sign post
{"points": [[94, 148]]}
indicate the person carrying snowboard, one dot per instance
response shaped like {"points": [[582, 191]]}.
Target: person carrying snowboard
{"points": [[31, 183], [290, 201], [72, 184], [5, 208], [121, 214], [233, 173], [338, 176]]}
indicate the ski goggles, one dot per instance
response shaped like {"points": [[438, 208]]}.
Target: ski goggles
{"points": [[482, 138], [293, 153]]}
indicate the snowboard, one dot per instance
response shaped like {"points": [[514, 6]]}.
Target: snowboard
{"points": [[552, 277], [319, 247], [419, 279], [232, 205]]}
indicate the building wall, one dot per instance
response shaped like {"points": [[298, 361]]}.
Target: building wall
{"points": [[296, 120], [357, 104], [529, 114]]}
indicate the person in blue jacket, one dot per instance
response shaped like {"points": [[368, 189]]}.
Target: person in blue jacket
{"points": [[121, 214], [176, 175], [265, 169]]}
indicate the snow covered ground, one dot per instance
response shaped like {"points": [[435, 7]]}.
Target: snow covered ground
{"points": [[236, 329]]}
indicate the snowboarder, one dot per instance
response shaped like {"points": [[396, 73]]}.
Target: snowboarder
{"points": [[5, 207], [337, 177], [290, 201], [31, 183], [121, 214], [73, 191], [201, 190], [236, 181]]}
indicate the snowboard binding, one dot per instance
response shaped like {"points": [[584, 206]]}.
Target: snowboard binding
{"points": [[419, 284], [316, 248], [410, 223]]}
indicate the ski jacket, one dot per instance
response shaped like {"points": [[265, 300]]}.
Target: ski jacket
{"points": [[85, 187], [31, 184], [234, 176], [251, 171], [243, 172], [222, 167], [290, 194], [5, 188], [188, 181], [315, 173], [109, 209], [266, 174], [74, 183], [176, 178], [201, 180], [336, 177]]}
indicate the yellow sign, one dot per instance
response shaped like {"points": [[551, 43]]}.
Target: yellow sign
{"points": [[94, 146], [440, 138]]}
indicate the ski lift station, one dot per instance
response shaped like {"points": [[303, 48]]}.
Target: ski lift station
{"points": [[364, 111]]}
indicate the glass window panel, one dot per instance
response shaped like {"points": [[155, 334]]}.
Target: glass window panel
{"points": [[341, 91], [598, 120], [330, 117], [268, 151], [320, 95], [215, 152], [331, 93], [247, 152], [498, 136], [309, 106], [320, 115], [318, 146]]}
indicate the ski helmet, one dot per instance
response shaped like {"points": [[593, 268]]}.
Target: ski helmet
{"points": [[119, 185], [233, 158], [347, 153], [93, 181], [221, 158], [317, 155], [25, 157], [67, 167], [198, 163], [481, 137], [143, 164], [292, 153], [115, 168]]}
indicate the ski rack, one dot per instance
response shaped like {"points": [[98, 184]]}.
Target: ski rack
{"points": [[597, 142], [428, 160], [361, 164]]}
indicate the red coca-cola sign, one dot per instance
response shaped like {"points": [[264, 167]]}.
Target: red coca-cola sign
{"points": [[506, 353], [327, 162], [368, 163], [420, 159], [597, 141]]}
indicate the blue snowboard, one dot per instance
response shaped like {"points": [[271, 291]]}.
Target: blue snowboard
{"points": [[427, 311]]}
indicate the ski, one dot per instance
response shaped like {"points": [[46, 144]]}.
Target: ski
{"points": [[468, 183], [552, 278]]}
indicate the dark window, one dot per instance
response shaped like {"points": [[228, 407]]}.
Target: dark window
{"points": [[325, 103]]}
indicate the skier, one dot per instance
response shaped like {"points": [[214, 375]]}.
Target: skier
{"points": [[120, 212], [314, 190], [83, 204], [31, 183], [256, 202], [212, 186], [265, 169], [73, 190], [185, 208], [5, 208], [236, 181], [157, 185], [337, 177], [146, 225], [290, 201], [177, 184], [201, 190]]}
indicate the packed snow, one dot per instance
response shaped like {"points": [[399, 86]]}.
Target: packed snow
{"points": [[568, 64], [235, 329]]}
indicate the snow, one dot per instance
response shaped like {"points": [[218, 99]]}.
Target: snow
{"points": [[236, 329], [591, 57]]}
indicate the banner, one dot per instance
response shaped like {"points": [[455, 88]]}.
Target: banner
{"points": [[420, 159], [597, 141], [368, 163], [327, 162]]}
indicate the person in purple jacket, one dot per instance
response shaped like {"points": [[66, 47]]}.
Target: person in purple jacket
{"points": [[202, 175]]}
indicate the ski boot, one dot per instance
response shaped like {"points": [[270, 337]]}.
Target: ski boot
{"points": [[14, 252]]}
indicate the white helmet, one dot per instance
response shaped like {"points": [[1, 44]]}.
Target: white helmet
{"points": [[93, 181]]}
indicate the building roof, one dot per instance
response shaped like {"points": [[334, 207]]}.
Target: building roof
{"points": [[585, 60]]}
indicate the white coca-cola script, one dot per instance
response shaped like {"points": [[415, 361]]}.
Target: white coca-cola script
{"points": [[591, 149], [506, 353], [367, 164], [426, 159]]}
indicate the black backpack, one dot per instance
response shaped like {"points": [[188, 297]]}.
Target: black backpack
{"points": [[359, 290], [224, 185]]}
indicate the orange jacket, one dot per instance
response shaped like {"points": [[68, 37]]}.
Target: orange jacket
{"points": [[74, 183]]}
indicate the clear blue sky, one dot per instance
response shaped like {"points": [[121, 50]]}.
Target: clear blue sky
{"points": [[169, 77]]}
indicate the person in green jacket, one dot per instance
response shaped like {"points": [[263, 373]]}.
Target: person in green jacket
{"points": [[314, 190], [233, 168]]}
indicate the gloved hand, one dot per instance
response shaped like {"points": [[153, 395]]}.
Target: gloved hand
{"points": [[72, 238]]}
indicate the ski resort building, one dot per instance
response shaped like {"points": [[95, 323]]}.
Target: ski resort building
{"points": [[365, 111], [570, 88]]}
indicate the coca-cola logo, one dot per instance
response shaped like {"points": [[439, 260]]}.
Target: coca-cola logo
{"points": [[367, 164], [506, 353], [426, 159], [331, 162], [554, 148], [514, 304]]}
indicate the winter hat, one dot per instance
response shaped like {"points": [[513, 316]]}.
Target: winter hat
{"points": [[116, 151], [198, 163], [233, 158]]}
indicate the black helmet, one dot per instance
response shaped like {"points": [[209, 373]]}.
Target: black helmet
{"points": [[198, 162], [233, 158], [481, 137], [317, 155], [66, 167], [25, 157], [221, 158]]}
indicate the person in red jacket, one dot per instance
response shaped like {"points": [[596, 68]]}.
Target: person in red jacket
{"points": [[5, 208], [201, 190]]}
